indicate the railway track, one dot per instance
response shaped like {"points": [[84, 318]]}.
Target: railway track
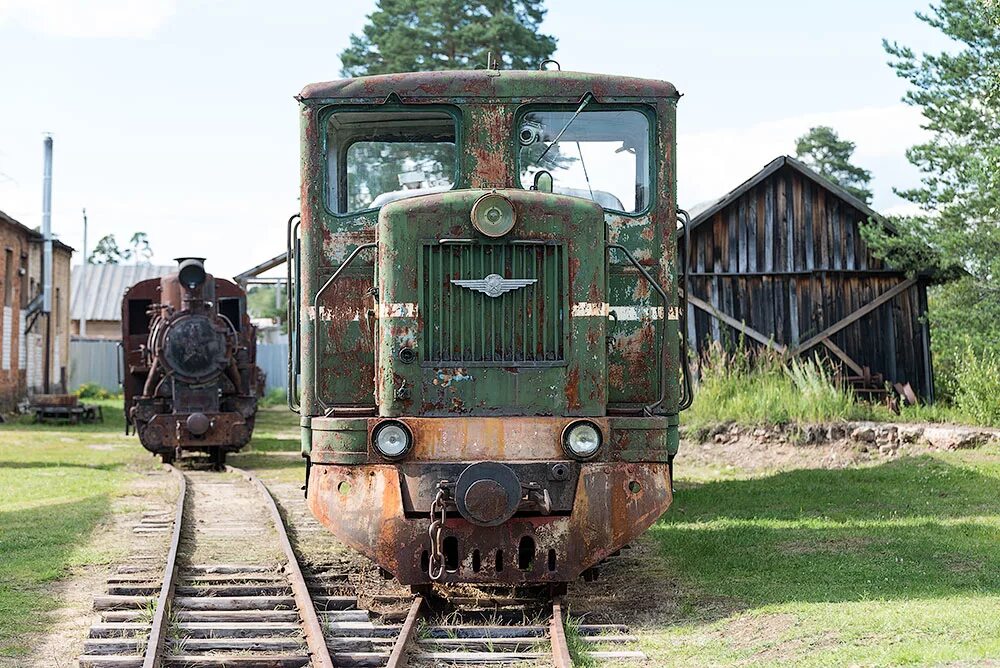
{"points": [[231, 593]]}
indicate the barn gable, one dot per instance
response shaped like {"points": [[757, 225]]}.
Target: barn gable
{"points": [[780, 260]]}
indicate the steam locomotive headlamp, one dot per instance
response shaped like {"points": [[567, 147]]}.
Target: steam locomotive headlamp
{"points": [[582, 440], [493, 215], [191, 272], [392, 439]]}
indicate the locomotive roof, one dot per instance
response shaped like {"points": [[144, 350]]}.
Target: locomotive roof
{"points": [[545, 84]]}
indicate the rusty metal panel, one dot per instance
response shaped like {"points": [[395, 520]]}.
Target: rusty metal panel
{"points": [[614, 503], [488, 84], [517, 386]]}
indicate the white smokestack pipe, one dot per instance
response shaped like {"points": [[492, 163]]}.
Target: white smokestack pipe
{"points": [[47, 228]]}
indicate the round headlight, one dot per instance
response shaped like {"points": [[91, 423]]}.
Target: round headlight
{"points": [[392, 439], [493, 215], [582, 440]]}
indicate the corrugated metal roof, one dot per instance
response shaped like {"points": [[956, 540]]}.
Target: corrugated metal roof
{"points": [[100, 298]]}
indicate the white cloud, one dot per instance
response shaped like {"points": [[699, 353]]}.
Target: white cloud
{"points": [[712, 163], [89, 18], [904, 209]]}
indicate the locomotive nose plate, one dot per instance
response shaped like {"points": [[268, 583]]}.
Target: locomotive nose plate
{"points": [[488, 493]]}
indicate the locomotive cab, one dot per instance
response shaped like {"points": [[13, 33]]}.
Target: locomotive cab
{"points": [[488, 323]]}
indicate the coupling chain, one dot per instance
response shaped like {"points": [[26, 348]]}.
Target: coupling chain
{"points": [[438, 515]]}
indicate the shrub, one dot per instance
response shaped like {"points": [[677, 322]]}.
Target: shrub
{"points": [[977, 391], [964, 316], [274, 397], [92, 391]]}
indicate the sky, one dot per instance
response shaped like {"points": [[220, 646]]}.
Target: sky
{"points": [[177, 117]]}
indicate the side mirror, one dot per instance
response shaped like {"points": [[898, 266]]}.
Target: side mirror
{"points": [[543, 181]]}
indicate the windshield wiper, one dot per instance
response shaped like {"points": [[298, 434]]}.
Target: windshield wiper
{"points": [[586, 99]]}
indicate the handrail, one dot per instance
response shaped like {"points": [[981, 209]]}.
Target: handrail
{"points": [[315, 306], [687, 398], [651, 408], [291, 312]]}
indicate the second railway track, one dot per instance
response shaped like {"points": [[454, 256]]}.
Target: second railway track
{"points": [[231, 593]]}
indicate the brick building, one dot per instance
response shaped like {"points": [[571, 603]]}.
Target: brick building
{"points": [[28, 336]]}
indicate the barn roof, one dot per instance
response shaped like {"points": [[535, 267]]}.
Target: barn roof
{"points": [[100, 297], [487, 84], [705, 210]]}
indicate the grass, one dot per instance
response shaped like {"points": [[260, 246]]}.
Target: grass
{"points": [[57, 484], [892, 564], [761, 388], [276, 432]]}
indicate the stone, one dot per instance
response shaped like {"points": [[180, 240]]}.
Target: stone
{"points": [[864, 434], [954, 438], [910, 433]]}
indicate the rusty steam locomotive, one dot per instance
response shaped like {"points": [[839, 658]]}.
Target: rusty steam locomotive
{"points": [[191, 381], [487, 307]]}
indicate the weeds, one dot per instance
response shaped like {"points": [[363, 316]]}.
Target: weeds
{"points": [[762, 387], [758, 388], [978, 389]]}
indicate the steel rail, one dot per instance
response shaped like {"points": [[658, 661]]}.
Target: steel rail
{"points": [[160, 626], [315, 639], [400, 654], [557, 637]]}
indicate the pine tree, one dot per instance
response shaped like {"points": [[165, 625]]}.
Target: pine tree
{"points": [[958, 230], [422, 35], [823, 150]]}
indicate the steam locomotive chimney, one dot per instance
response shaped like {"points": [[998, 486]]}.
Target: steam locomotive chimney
{"points": [[191, 271]]}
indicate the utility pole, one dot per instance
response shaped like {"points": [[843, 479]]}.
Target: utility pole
{"points": [[47, 260], [83, 277]]}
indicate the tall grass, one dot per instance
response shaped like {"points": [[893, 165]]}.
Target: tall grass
{"points": [[761, 388], [978, 388]]}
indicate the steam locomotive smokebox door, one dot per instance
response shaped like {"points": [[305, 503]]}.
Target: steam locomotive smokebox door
{"points": [[195, 349]]}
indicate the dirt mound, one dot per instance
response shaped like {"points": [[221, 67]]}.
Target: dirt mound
{"points": [[835, 445]]}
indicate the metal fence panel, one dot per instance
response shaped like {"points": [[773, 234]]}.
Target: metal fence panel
{"points": [[272, 358], [94, 361], [98, 362]]}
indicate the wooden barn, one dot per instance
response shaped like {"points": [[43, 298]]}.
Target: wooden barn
{"points": [[781, 260]]}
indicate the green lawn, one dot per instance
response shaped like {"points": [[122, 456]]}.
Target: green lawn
{"points": [[889, 564], [57, 484], [892, 564]]}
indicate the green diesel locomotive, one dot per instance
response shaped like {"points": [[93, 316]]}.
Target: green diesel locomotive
{"points": [[486, 305]]}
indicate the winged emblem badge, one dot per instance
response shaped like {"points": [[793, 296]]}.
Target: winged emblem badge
{"points": [[495, 285]]}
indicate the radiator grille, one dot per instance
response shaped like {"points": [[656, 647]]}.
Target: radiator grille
{"points": [[464, 327]]}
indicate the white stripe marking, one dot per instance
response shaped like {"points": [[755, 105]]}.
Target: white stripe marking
{"points": [[633, 313], [397, 310], [588, 309]]}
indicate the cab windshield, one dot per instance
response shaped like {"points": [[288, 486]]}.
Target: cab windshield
{"points": [[374, 158], [601, 155]]}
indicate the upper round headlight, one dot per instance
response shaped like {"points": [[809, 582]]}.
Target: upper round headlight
{"points": [[493, 215], [392, 439], [582, 440]]}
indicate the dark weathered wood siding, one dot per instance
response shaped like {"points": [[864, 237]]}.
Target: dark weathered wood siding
{"points": [[786, 257]]}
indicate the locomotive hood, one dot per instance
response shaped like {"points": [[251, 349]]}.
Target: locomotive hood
{"points": [[476, 324]]}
